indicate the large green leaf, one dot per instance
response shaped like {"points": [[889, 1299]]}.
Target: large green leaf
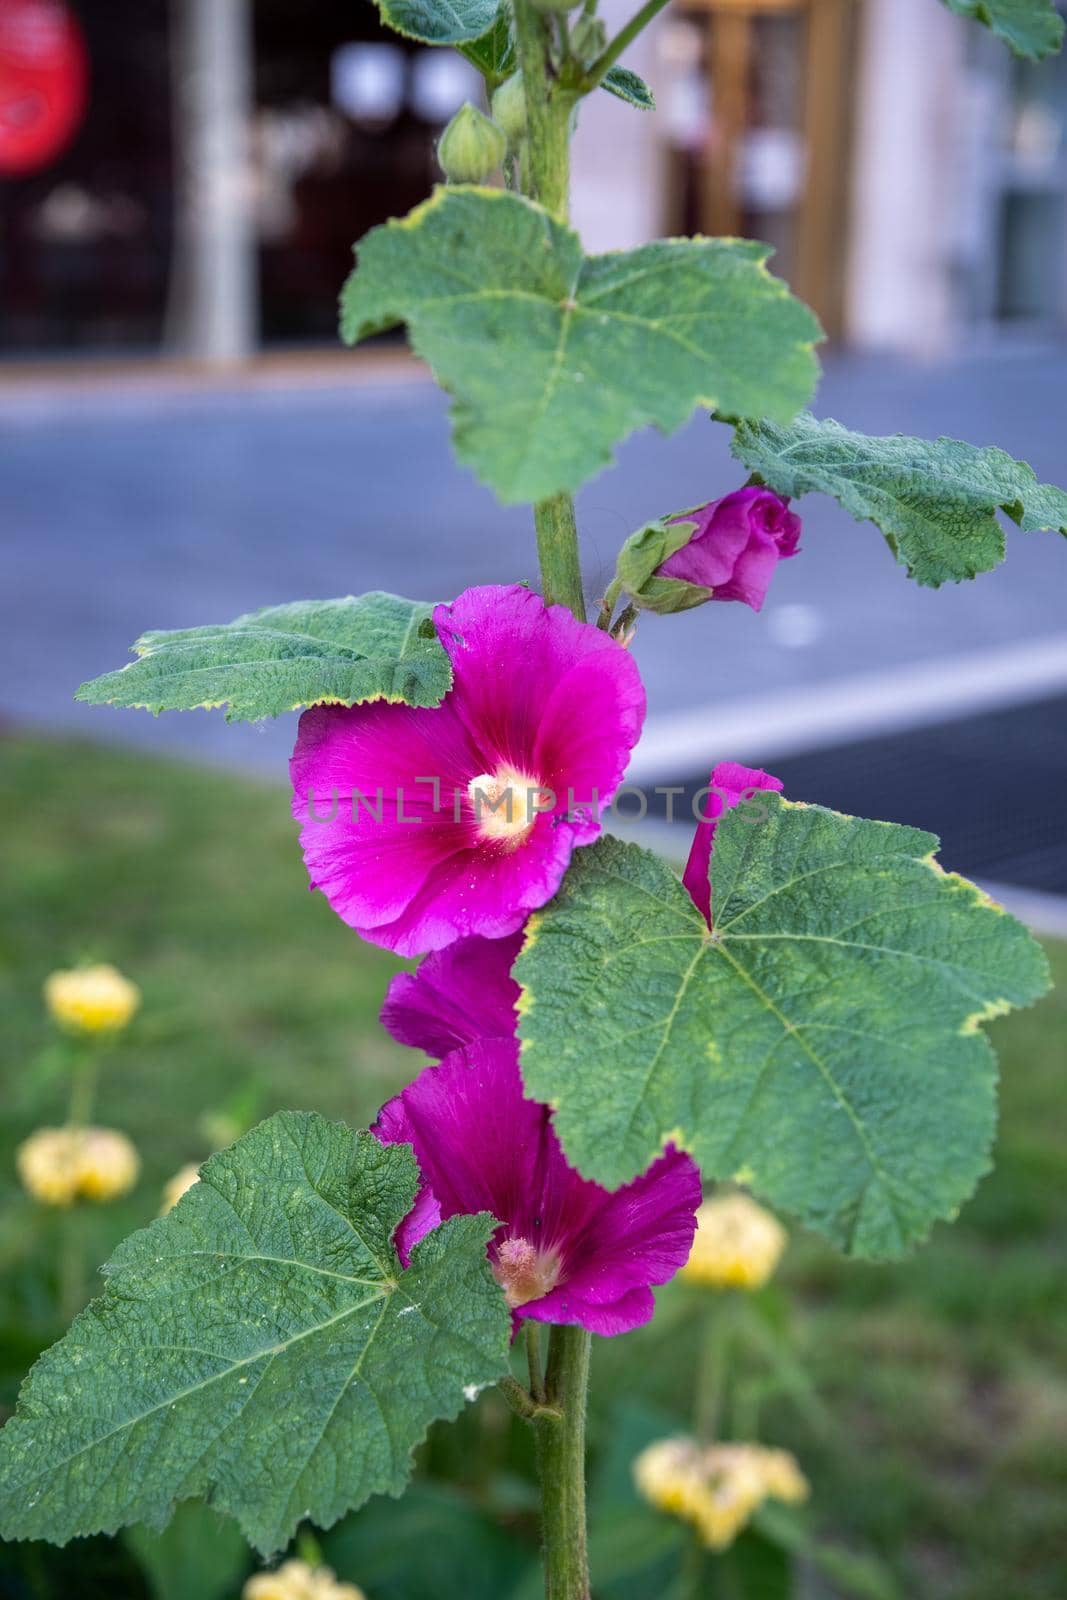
{"points": [[822, 1045], [440, 21], [1032, 28], [553, 357], [260, 1345], [376, 647], [935, 500]]}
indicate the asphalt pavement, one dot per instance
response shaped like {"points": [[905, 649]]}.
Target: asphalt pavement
{"points": [[167, 504]]}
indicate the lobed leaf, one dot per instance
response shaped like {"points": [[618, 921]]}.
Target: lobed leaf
{"points": [[935, 500], [440, 21], [259, 1345], [1033, 28], [341, 652], [821, 1045], [553, 357]]}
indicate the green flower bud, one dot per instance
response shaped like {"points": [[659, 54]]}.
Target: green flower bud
{"points": [[588, 38], [509, 108], [555, 5], [640, 557], [471, 147]]}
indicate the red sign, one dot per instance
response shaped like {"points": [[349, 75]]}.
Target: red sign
{"points": [[43, 82]]}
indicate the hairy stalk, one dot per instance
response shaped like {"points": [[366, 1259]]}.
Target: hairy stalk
{"points": [[561, 1464], [546, 178]]}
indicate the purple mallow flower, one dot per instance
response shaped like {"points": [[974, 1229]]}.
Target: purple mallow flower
{"points": [[730, 784], [457, 995], [566, 1251], [736, 545], [424, 826]]}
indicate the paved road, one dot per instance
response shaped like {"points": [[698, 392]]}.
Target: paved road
{"points": [[164, 508]]}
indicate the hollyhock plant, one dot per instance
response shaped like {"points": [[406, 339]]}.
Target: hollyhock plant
{"points": [[566, 1251], [460, 819], [729, 785], [736, 545], [459, 994]]}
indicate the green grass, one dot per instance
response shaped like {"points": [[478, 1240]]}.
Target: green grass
{"points": [[942, 1441]]}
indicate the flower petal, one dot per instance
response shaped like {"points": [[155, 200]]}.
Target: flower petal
{"points": [[730, 782], [459, 994]]}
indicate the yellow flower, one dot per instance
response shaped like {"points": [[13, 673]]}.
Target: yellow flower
{"points": [[718, 1488], [173, 1190], [91, 999], [295, 1580], [60, 1165], [737, 1244]]}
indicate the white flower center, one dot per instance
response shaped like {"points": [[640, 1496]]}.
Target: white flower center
{"points": [[506, 803]]}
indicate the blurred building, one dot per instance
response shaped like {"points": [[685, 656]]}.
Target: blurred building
{"points": [[189, 175]]}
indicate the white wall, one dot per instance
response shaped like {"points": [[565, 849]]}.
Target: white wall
{"points": [[906, 177], [617, 163]]}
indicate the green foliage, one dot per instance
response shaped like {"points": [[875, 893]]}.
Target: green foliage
{"points": [[441, 21], [261, 1344], [198, 1556], [434, 1542], [1033, 28], [935, 500], [626, 85], [376, 647], [494, 53], [821, 1045], [553, 357]]}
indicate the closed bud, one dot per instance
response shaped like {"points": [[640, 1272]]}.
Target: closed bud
{"points": [[638, 566], [509, 108], [557, 6], [725, 550], [471, 147], [588, 38]]}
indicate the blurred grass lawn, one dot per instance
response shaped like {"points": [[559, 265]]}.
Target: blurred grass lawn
{"points": [[944, 1378]]}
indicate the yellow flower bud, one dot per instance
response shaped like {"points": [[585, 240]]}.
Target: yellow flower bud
{"points": [[295, 1580], [716, 1489], [737, 1244], [175, 1187], [47, 1166], [60, 1165], [91, 999], [108, 1164]]}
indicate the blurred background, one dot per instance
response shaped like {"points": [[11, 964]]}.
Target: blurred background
{"points": [[181, 440]]}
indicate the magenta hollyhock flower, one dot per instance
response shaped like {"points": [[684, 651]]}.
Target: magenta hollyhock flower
{"points": [[441, 823], [459, 994], [730, 783], [738, 542], [566, 1249]]}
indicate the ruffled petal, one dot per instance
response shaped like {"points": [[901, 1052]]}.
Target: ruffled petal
{"points": [[459, 994]]}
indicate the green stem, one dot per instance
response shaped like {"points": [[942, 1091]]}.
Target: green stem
{"points": [[72, 1295], [547, 173], [625, 37], [83, 1079], [561, 1465], [557, 552], [711, 1375], [546, 178]]}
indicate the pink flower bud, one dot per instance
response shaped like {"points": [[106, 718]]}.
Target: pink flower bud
{"points": [[735, 546]]}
